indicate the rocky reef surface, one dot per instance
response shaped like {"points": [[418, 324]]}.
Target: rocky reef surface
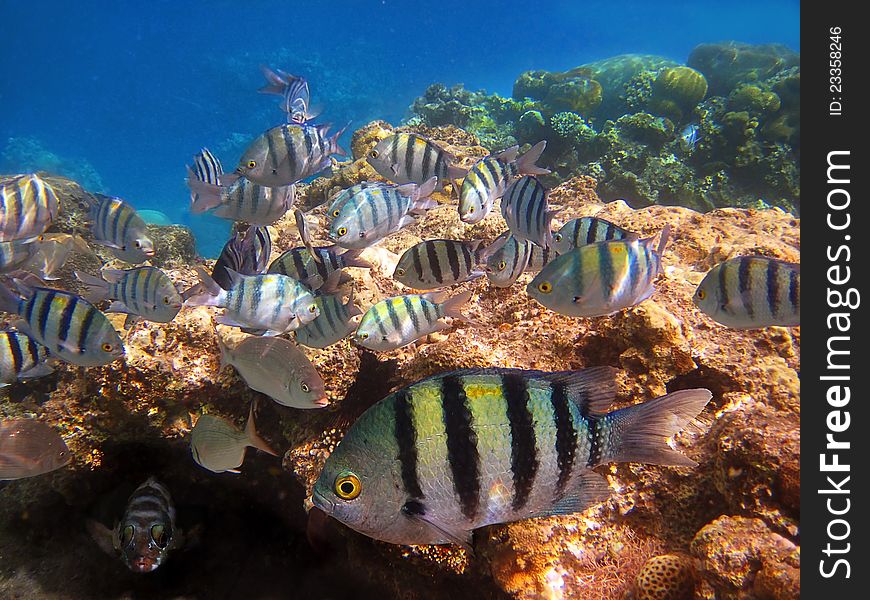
{"points": [[623, 121], [725, 529]]}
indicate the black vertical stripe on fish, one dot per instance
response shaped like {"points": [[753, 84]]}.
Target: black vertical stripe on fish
{"points": [[406, 438], [520, 245], [635, 270], [773, 287], [538, 196], [418, 265], [326, 312], [427, 160], [793, 291], [273, 151], [394, 316], [291, 150], [440, 167], [434, 263], [334, 259], [299, 264], [452, 259], [14, 349], [467, 259], [524, 452], [605, 268], [409, 155], [90, 314], [279, 297], [32, 349], [381, 325], [28, 309], [592, 232], [45, 311], [594, 441], [723, 288], [427, 313], [65, 320], [462, 453], [321, 267], [566, 436], [309, 143], [394, 150], [744, 284], [409, 307]]}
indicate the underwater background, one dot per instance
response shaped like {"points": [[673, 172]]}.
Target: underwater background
{"points": [[120, 97], [677, 121]]}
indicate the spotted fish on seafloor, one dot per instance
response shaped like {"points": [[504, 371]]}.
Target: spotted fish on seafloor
{"points": [[29, 448], [147, 531], [749, 292], [439, 458]]}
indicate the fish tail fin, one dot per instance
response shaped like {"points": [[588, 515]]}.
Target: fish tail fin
{"points": [[276, 83], [253, 437], [9, 301], [453, 306], [204, 196], [526, 163], [663, 239], [98, 289], [426, 188], [644, 428], [205, 293], [334, 148], [351, 258]]}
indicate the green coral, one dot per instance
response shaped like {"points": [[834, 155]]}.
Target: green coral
{"points": [[751, 97], [572, 128], [676, 91]]}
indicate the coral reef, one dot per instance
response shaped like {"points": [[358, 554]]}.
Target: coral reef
{"points": [[29, 155], [736, 513]]}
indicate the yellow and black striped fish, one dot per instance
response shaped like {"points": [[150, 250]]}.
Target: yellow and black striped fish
{"points": [[508, 257], [301, 265], [69, 326], [464, 449], [432, 264], [143, 292], [21, 357], [334, 322], [525, 210], [28, 205], [411, 158], [116, 225], [748, 292], [587, 230]]}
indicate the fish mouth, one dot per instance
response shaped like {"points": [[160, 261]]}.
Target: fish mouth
{"points": [[321, 402], [321, 502], [143, 564]]}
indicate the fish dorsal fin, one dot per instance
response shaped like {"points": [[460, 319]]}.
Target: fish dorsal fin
{"points": [[112, 275], [416, 511], [508, 154], [592, 389], [591, 488]]}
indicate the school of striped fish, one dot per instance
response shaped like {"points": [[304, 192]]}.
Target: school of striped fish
{"points": [[432, 461]]}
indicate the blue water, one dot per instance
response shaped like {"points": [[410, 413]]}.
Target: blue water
{"points": [[136, 91]]}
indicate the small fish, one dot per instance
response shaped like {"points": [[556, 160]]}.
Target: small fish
{"points": [[245, 253], [206, 168], [28, 205], [438, 263], [69, 326], [688, 138], [489, 177], [374, 213], [437, 459], [601, 278], [508, 257], [16, 253], [42, 255], [302, 265], [333, 323], [750, 292], [524, 208], [286, 154], [241, 200], [142, 292], [219, 446], [294, 92], [115, 224], [411, 158], [278, 368], [146, 533], [341, 198], [21, 357], [273, 303], [587, 230], [402, 320], [29, 448]]}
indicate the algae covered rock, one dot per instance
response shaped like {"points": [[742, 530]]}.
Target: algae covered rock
{"points": [[727, 64], [666, 577]]}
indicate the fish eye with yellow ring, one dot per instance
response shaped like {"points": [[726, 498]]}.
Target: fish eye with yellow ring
{"points": [[335, 213], [312, 308], [305, 388], [363, 335], [702, 294], [126, 535], [107, 347], [342, 231], [347, 486], [400, 271], [557, 237], [545, 287], [374, 153], [501, 265], [252, 164]]}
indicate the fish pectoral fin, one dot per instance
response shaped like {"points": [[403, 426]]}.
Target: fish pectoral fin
{"points": [[131, 320], [102, 536], [394, 168], [40, 370], [417, 512], [118, 307], [236, 471], [592, 488], [229, 321]]}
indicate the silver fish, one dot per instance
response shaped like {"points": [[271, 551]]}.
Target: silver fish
{"points": [[142, 292], [688, 138], [69, 326], [28, 206], [219, 446], [411, 158], [206, 168], [587, 230], [489, 177], [116, 225], [21, 357], [341, 198], [601, 278], [396, 322], [286, 154], [241, 200], [432, 264], [508, 257], [749, 292], [146, 533], [42, 255], [276, 367], [373, 213], [273, 303], [294, 92], [524, 208], [302, 265], [29, 448], [333, 323], [247, 254], [437, 459]]}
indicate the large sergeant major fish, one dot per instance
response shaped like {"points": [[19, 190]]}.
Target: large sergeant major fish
{"points": [[435, 460]]}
